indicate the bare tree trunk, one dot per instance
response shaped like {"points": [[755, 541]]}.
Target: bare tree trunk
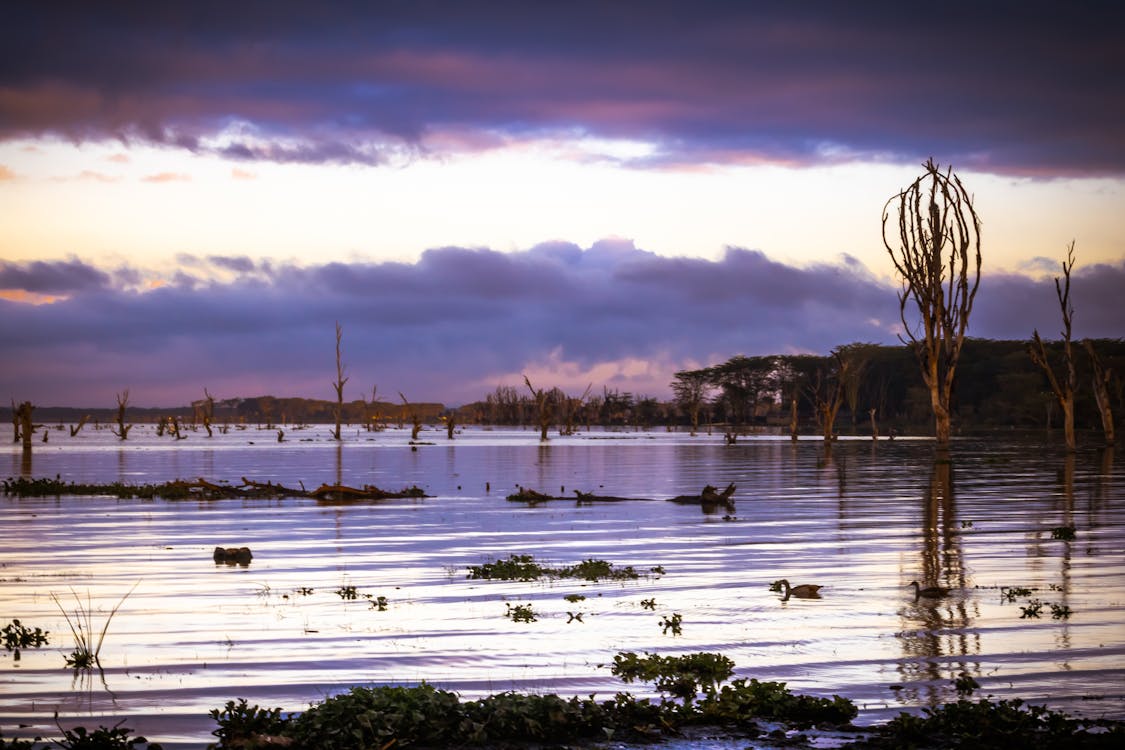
{"points": [[874, 425], [209, 412], [26, 427], [544, 406], [793, 418], [122, 430], [938, 244], [1102, 377], [78, 427], [1064, 391], [339, 384], [15, 422]]}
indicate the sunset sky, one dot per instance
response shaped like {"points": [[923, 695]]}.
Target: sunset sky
{"points": [[192, 194]]}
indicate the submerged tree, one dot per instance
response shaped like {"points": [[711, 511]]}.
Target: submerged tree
{"points": [[122, 430], [415, 417], [937, 254], [208, 411], [338, 410], [26, 428], [543, 404], [1101, 378], [1063, 387], [827, 392]]}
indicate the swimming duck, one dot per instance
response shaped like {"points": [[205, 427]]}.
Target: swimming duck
{"points": [[804, 591], [930, 592]]}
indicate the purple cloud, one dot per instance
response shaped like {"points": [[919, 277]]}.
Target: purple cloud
{"points": [[1031, 88], [461, 321]]}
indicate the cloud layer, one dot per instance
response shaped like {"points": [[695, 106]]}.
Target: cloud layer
{"points": [[461, 321], [1014, 87]]}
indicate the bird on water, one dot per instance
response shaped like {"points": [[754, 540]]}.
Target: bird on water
{"points": [[930, 592], [804, 591]]}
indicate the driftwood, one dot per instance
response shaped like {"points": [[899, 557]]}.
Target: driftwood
{"points": [[340, 492], [709, 497]]}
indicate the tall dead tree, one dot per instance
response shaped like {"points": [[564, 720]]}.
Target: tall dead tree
{"points": [[827, 393], [1102, 376], [338, 410], [937, 254], [415, 417], [573, 407], [15, 422], [122, 430], [1062, 386], [26, 428], [543, 404], [208, 411]]}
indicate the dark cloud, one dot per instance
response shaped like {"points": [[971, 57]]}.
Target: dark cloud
{"points": [[1034, 88], [52, 278], [452, 325]]}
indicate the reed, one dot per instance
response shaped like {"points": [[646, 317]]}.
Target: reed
{"points": [[81, 621]]}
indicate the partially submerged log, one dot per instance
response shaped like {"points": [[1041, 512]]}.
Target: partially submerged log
{"points": [[710, 497], [233, 556], [340, 492]]}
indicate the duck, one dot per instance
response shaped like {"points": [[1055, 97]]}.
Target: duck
{"points": [[930, 592], [804, 591]]}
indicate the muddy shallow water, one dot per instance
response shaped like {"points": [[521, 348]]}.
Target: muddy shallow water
{"points": [[863, 520]]}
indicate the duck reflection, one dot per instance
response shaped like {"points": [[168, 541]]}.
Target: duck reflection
{"points": [[936, 619]]}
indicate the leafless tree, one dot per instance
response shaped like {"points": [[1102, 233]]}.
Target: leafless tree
{"points": [[1102, 376], [937, 254], [26, 428], [827, 393], [543, 405], [75, 429], [339, 384], [208, 411], [1062, 386], [122, 430], [415, 417]]}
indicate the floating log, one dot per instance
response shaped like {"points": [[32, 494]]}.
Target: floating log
{"points": [[709, 497], [341, 492]]}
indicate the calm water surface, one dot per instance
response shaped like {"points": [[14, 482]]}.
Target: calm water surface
{"points": [[863, 520]]}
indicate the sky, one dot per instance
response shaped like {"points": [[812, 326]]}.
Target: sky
{"points": [[192, 195]]}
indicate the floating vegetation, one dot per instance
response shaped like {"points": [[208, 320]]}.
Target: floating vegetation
{"points": [[347, 592], [994, 724], [1033, 608], [520, 613], [102, 738], [1010, 594], [965, 684], [1060, 611], [17, 635], [201, 489], [1066, 533], [423, 716], [649, 603], [379, 603], [524, 568], [572, 598], [672, 623]]}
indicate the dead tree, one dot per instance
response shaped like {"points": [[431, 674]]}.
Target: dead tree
{"points": [[1102, 376], [450, 424], [338, 410], [793, 417], [15, 422], [874, 424], [75, 429], [122, 430], [1063, 387], [415, 417], [573, 406], [208, 411], [26, 428], [827, 394], [543, 404], [368, 417], [938, 257]]}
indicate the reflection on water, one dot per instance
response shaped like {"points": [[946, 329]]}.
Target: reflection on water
{"points": [[861, 519]]}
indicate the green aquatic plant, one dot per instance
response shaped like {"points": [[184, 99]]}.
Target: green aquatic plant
{"points": [[378, 603], [1066, 533], [994, 725], [116, 737], [672, 623], [87, 646], [574, 598], [1014, 592], [241, 725], [681, 676], [1033, 608], [520, 613], [525, 568], [649, 603], [347, 592]]}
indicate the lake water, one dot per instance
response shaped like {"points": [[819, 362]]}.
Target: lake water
{"points": [[863, 520]]}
